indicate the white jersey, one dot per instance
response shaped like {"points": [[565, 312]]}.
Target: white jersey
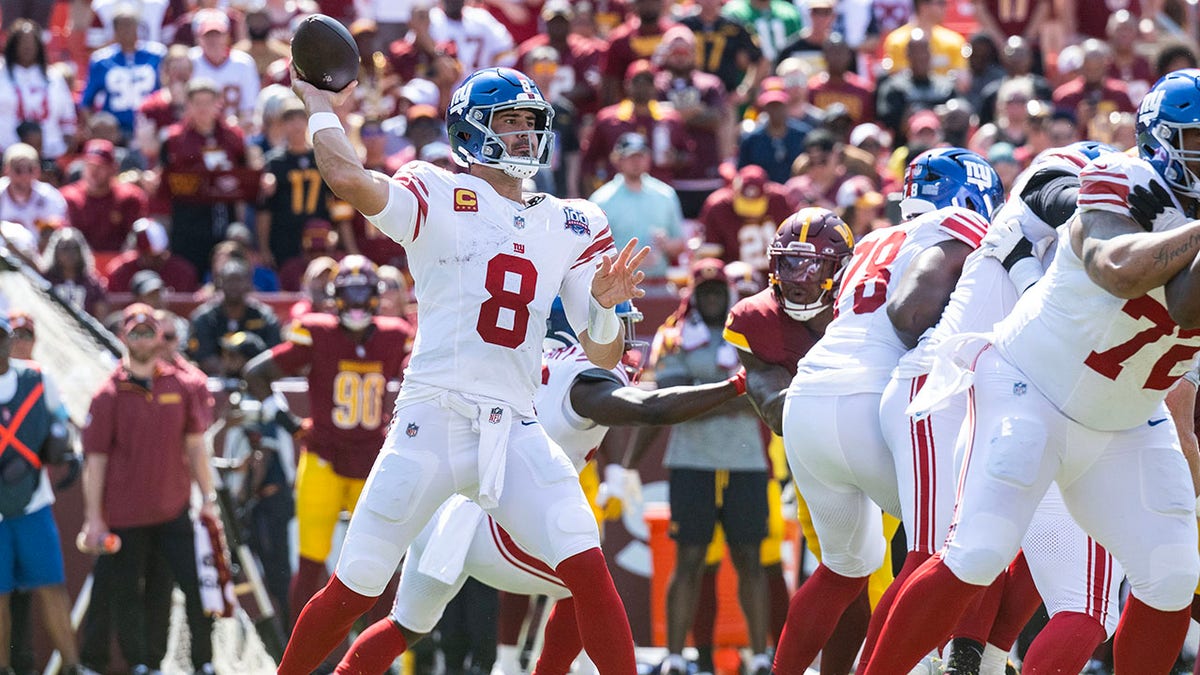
{"points": [[481, 40], [45, 207], [150, 20], [1105, 362], [860, 347], [237, 78], [486, 271], [577, 435], [33, 95]]}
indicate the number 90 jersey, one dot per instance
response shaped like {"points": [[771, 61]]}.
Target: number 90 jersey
{"points": [[1105, 362], [486, 271], [860, 346], [346, 385]]}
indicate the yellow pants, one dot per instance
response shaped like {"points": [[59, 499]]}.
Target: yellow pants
{"points": [[321, 496]]}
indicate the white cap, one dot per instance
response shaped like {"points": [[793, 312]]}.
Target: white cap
{"points": [[421, 92], [870, 130], [151, 235]]}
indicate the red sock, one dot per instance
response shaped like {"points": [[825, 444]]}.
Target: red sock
{"points": [[812, 615], [976, 623], [1064, 645], [1020, 601], [911, 562], [603, 624], [842, 647], [513, 610], [562, 643], [383, 605], [323, 623], [780, 597], [704, 623], [309, 578], [922, 617], [374, 650], [1148, 639]]}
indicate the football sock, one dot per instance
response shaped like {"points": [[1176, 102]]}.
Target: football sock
{"points": [[995, 660], [1020, 601], [1065, 645], [603, 625], [309, 578], [704, 622], [323, 623], [844, 644], [922, 617], [1148, 639], [374, 650], [508, 658], [383, 605], [813, 613], [975, 624], [780, 596], [562, 643], [911, 562], [513, 610]]}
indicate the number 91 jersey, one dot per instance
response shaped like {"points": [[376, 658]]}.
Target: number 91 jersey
{"points": [[860, 346], [346, 385], [1105, 362], [486, 271]]}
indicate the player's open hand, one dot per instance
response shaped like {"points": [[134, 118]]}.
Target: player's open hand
{"points": [[318, 100], [617, 280]]}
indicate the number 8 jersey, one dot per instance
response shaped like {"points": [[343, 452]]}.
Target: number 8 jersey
{"points": [[1105, 362], [860, 347], [486, 271]]}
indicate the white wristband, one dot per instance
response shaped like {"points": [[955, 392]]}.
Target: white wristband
{"points": [[274, 403], [324, 120], [603, 324]]}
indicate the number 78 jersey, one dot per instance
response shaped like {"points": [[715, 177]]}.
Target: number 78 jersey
{"points": [[1105, 362], [860, 347], [485, 272]]}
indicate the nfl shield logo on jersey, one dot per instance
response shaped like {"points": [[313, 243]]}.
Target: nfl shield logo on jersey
{"points": [[412, 429], [518, 222], [497, 413], [1019, 389]]}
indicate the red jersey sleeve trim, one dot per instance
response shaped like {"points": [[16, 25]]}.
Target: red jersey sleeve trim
{"points": [[603, 243], [967, 228], [418, 189]]}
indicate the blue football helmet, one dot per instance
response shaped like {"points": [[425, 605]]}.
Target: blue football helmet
{"points": [[473, 108], [944, 177], [1171, 105], [559, 334]]}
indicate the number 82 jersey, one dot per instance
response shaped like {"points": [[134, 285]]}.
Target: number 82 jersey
{"points": [[486, 270]]}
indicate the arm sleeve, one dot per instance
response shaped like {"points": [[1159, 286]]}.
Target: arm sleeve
{"points": [[94, 78], [1054, 198], [407, 207]]}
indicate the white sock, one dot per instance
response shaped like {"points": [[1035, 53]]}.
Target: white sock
{"points": [[508, 659], [584, 665], [675, 661], [762, 660], [994, 660]]}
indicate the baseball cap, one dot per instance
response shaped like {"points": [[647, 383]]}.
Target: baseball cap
{"points": [[138, 314], [19, 151], [421, 111], [208, 20], [145, 282], [291, 105], [870, 131], [555, 8], [822, 4], [19, 320], [924, 120], [315, 236], [750, 191], [100, 151], [637, 68], [244, 343], [771, 90], [435, 151], [630, 143], [151, 235], [708, 269], [858, 192], [1001, 152], [421, 92]]}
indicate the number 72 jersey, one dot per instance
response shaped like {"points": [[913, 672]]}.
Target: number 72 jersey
{"points": [[485, 272], [860, 347]]}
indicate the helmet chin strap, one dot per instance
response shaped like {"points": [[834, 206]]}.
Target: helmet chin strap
{"points": [[356, 322], [803, 312], [518, 171]]}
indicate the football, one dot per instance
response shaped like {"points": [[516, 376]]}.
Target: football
{"points": [[324, 53]]}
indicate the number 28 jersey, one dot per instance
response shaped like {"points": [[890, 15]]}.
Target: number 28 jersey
{"points": [[1104, 361], [860, 346], [485, 272]]}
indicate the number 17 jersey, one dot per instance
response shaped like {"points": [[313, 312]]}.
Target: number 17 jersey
{"points": [[485, 272], [860, 346]]}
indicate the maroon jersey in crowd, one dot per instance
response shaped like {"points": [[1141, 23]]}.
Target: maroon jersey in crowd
{"points": [[703, 158], [853, 91], [107, 220], [579, 63], [631, 41], [744, 225], [1091, 16], [662, 128], [759, 325], [1012, 15], [148, 479], [1110, 96], [346, 385], [177, 274]]}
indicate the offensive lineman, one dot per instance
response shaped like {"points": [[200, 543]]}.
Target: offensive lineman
{"points": [[1072, 391], [831, 431], [487, 262], [576, 404]]}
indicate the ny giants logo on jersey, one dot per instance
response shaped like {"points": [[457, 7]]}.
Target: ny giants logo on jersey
{"points": [[979, 175], [576, 221], [466, 200]]}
